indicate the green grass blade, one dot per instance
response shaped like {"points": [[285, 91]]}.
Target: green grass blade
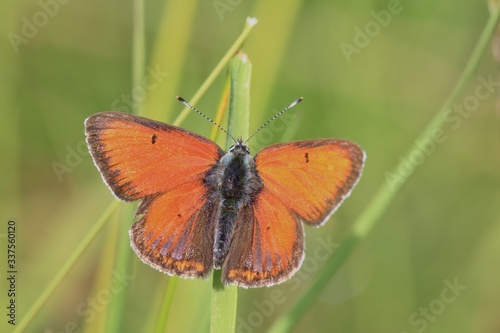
{"points": [[221, 109], [49, 290], [386, 193], [123, 260], [138, 48], [162, 319], [250, 22], [224, 299], [102, 277], [168, 55], [279, 36], [223, 306], [240, 71], [122, 263]]}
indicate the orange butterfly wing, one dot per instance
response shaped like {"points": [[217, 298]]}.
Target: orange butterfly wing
{"points": [[165, 166], [176, 231], [138, 157], [304, 181], [267, 245], [311, 177]]}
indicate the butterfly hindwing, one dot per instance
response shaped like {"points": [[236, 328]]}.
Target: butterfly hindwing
{"points": [[175, 233], [267, 244]]}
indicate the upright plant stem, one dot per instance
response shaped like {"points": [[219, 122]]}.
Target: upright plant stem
{"points": [[163, 314], [221, 109], [138, 48], [122, 263], [250, 22], [61, 274], [116, 307], [224, 299], [168, 55], [382, 199]]}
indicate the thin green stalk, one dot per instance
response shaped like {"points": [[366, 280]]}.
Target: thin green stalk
{"points": [[282, 38], [114, 319], [47, 292], [122, 263], [169, 52], [250, 22], [221, 109], [240, 71], [138, 47], [102, 277], [225, 299], [386, 193], [162, 318]]}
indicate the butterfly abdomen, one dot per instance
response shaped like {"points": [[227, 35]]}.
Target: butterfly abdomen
{"points": [[235, 180]]}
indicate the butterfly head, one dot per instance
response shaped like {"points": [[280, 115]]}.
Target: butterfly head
{"points": [[239, 148]]}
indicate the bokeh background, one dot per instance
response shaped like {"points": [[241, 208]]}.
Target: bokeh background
{"points": [[442, 228]]}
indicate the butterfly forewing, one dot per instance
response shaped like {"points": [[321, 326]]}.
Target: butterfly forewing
{"points": [[311, 177], [139, 157]]}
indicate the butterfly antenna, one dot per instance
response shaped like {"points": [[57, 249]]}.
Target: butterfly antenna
{"points": [[183, 101], [297, 101]]}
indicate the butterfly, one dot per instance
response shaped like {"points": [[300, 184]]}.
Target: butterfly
{"points": [[202, 209]]}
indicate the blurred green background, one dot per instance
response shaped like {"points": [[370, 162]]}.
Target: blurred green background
{"points": [[378, 88]]}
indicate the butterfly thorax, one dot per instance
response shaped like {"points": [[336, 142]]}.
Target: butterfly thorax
{"points": [[236, 181]]}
